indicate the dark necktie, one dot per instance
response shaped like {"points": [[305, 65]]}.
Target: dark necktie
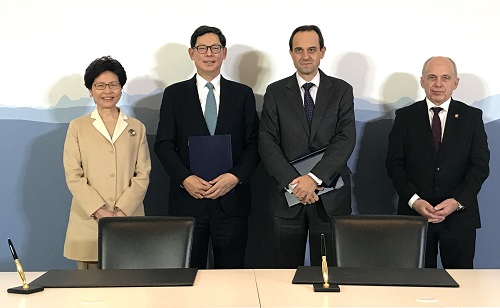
{"points": [[211, 109], [436, 127], [308, 103]]}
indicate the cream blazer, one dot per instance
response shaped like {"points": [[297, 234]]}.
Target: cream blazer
{"points": [[102, 171]]}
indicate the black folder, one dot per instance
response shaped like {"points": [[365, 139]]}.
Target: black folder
{"points": [[210, 156], [378, 276], [117, 278], [304, 165], [315, 155]]}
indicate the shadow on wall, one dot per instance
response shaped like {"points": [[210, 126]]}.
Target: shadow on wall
{"points": [[372, 189], [250, 67], [173, 64], [369, 177], [156, 199], [355, 68], [470, 89], [71, 86]]}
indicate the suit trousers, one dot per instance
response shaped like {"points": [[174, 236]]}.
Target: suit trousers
{"points": [[455, 246], [290, 236], [228, 235]]}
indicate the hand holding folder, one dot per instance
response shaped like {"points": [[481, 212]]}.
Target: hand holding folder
{"points": [[304, 165]]}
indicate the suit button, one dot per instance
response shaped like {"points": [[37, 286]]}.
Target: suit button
{"points": [[437, 168], [436, 188], [111, 152], [112, 175], [112, 199]]}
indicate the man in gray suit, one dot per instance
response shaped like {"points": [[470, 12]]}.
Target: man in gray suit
{"points": [[303, 113]]}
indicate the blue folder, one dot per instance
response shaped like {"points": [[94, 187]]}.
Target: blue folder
{"points": [[210, 156]]}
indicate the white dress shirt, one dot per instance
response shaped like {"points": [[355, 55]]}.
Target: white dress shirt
{"points": [[313, 91], [442, 117], [203, 91]]}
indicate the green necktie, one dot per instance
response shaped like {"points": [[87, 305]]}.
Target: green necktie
{"points": [[211, 109]]}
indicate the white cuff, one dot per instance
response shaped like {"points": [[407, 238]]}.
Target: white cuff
{"points": [[315, 178], [412, 200]]}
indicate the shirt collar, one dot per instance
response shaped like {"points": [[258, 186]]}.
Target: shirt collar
{"points": [[201, 82], [445, 105], [314, 81]]}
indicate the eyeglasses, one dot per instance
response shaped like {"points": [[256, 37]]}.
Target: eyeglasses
{"points": [[202, 49], [112, 85]]}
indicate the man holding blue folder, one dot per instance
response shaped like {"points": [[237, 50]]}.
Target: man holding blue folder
{"points": [[214, 115], [303, 113]]}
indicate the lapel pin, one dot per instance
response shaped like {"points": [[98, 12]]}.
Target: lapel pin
{"points": [[131, 132], [456, 115]]}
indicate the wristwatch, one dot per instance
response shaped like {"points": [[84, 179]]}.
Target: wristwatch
{"points": [[460, 207]]}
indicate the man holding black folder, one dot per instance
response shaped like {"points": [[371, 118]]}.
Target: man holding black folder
{"points": [[303, 113], [212, 114]]}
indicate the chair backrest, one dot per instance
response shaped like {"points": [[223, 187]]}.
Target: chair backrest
{"points": [[145, 242], [379, 241]]}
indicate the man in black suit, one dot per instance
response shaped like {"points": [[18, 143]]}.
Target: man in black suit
{"points": [[221, 205], [438, 159], [305, 112]]}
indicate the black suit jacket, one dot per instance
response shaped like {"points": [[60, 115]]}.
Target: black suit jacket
{"points": [[284, 135], [181, 116], [457, 170]]}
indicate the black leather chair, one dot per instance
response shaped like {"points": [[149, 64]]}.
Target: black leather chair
{"points": [[379, 241], [145, 242]]}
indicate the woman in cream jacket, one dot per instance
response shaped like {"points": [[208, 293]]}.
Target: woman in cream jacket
{"points": [[106, 162]]}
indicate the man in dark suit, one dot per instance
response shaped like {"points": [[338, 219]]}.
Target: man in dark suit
{"points": [[221, 205], [438, 159], [305, 112]]}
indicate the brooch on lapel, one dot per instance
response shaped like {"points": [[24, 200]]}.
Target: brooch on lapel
{"points": [[131, 132], [456, 115]]}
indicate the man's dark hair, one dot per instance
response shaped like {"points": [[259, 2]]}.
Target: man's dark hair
{"points": [[101, 65], [308, 28], [206, 29]]}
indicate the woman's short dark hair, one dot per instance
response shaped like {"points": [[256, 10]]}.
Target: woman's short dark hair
{"points": [[202, 30], [308, 28], [101, 65]]}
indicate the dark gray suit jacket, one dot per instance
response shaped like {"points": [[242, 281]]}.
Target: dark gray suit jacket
{"points": [[284, 136], [457, 170]]}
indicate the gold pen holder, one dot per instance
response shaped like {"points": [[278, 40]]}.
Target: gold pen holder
{"points": [[326, 286], [25, 288], [324, 270]]}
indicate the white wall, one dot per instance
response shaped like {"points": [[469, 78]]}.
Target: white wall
{"points": [[45, 43]]}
